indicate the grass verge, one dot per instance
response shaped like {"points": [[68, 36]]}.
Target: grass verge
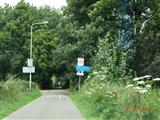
{"points": [[14, 94], [7, 107], [87, 110]]}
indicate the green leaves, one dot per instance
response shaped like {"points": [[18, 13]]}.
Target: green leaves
{"points": [[146, 39], [15, 38], [111, 57]]}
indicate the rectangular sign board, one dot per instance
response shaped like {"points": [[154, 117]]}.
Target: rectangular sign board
{"points": [[83, 68], [30, 62], [80, 61], [80, 73], [29, 69]]}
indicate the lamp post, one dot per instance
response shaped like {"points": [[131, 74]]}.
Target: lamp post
{"points": [[31, 65]]}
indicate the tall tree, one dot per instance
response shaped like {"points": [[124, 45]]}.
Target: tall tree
{"points": [[15, 38], [147, 37]]}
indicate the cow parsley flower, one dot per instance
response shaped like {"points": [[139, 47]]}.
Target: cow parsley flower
{"points": [[140, 82], [156, 79], [142, 91], [137, 88], [137, 78], [148, 86], [130, 85]]}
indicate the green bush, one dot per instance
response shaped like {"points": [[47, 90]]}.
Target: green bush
{"points": [[53, 79], [14, 93], [113, 100], [13, 88]]}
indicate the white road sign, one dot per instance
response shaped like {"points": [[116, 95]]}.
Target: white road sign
{"points": [[30, 62], [80, 73], [29, 69], [80, 61]]}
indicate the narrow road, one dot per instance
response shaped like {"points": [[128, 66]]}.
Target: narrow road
{"points": [[52, 105]]}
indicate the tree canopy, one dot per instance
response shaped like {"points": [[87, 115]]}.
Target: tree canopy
{"points": [[122, 37]]}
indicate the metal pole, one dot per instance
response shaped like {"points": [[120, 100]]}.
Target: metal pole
{"points": [[30, 75], [30, 81], [79, 84]]}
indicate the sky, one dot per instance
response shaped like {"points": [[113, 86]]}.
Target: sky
{"points": [[52, 3]]}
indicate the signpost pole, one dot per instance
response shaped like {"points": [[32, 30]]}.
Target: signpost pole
{"points": [[80, 62], [29, 69], [79, 84], [30, 81], [30, 74]]}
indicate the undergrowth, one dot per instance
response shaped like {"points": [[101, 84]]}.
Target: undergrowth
{"points": [[14, 93], [115, 101]]}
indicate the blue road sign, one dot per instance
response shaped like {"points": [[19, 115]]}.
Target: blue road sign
{"points": [[83, 68]]}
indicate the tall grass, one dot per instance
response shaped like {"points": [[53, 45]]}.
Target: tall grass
{"points": [[116, 102], [14, 93]]}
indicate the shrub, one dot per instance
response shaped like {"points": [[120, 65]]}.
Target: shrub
{"points": [[13, 88], [53, 79], [14, 93], [114, 100]]}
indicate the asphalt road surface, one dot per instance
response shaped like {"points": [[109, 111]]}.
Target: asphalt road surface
{"points": [[52, 105]]}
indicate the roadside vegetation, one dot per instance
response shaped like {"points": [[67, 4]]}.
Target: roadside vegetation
{"points": [[102, 100], [120, 40], [14, 94], [124, 32], [86, 109]]}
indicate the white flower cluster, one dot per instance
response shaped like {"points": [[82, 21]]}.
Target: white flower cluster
{"points": [[141, 86], [110, 94], [141, 78], [156, 79], [137, 89], [130, 85]]}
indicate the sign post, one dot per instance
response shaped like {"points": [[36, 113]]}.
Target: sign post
{"points": [[79, 83], [80, 71], [83, 68], [29, 69], [80, 68], [80, 62], [30, 62]]}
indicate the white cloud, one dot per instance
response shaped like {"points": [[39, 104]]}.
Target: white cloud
{"points": [[53, 3]]}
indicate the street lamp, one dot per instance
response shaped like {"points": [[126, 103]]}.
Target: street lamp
{"points": [[31, 65]]}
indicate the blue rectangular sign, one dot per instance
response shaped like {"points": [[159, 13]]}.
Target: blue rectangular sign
{"points": [[83, 68]]}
